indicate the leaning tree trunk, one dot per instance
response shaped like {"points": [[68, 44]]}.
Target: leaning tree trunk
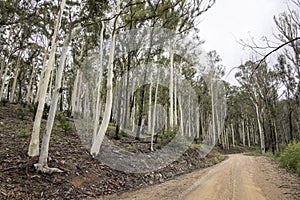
{"points": [[16, 75], [36, 99], [42, 165], [109, 96], [50, 87], [34, 142], [108, 103]]}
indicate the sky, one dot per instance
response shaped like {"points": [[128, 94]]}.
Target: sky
{"points": [[229, 21]]}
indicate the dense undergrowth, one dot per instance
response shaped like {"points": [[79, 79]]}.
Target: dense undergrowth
{"points": [[288, 158]]}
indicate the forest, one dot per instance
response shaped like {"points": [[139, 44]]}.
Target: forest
{"points": [[130, 80]]}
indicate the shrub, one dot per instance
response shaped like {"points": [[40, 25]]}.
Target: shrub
{"points": [[4, 101], [64, 123], [23, 132], [290, 157], [22, 112]]}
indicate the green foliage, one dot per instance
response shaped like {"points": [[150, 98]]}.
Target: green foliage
{"points": [[196, 145], [179, 143], [290, 157], [23, 132], [22, 112], [4, 101], [166, 137], [172, 139], [64, 123], [257, 152]]}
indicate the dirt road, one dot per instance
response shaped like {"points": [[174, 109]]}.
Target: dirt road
{"points": [[237, 178]]}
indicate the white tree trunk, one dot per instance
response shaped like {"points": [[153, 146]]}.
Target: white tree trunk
{"points": [[74, 93], [109, 96], [28, 94], [3, 88], [133, 116], [232, 132], [1, 70], [3, 81], [50, 87], [98, 101], [41, 76], [248, 136], [16, 75], [171, 90], [175, 102], [181, 116], [154, 115], [243, 132], [150, 105], [189, 118], [42, 164], [260, 129], [213, 110], [34, 142]]}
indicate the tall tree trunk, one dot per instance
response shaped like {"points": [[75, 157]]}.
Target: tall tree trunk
{"points": [[171, 90], [16, 75], [41, 76], [42, 165], [74, 93], [232, 132], [127, 89], [154, 114], [248, 135], [109, 96], [61, 102], [34, 142], [2, 63], [260, 129], [119, 107], [243, 132], [3, 81], [98, 101], [28, 94], [50, 87], [141, 108], [150, 105], [7, 66], [291, 122], [189, 118]]}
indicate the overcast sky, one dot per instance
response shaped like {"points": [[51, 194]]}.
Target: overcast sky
{"points": [[231, 20]]}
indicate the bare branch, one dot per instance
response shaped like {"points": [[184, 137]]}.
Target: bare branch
{"points": [[271, 52]]}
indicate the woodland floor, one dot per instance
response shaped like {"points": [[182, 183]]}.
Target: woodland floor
{"points": [[83, 177]]}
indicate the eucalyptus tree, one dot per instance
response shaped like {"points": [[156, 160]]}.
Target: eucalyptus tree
{"points": [[34, 142], [262, 89]]}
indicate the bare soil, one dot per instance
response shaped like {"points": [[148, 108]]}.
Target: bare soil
{"points": [[239, 177]]}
